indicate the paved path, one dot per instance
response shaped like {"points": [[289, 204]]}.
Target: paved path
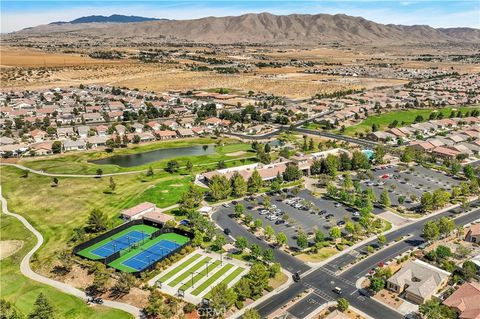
{"points": [[27, 271]]}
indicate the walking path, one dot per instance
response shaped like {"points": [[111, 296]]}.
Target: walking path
{"points": [[27, 271]]}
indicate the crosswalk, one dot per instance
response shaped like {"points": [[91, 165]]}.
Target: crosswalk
{"points": [[334, 274]]}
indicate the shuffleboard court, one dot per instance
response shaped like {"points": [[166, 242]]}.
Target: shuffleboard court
{"points": [[118, 242]]}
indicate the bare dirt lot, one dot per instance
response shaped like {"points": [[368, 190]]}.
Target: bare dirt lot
{"points": [[9, 247]]}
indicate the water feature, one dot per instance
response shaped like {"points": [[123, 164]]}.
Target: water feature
{"points": [[138, 159]]}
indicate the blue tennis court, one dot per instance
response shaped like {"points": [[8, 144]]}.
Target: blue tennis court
{"points": [[150, 255], [120, 243]]}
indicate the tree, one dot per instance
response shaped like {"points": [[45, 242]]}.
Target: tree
{"points": [[446, 226], [219, 187], [302, 240], [241, 243], [359, 160], [281, 238], [113, 185], [455, 168], [268, 255], [189, 166], [385, 198], [443, 252], [55, 181], [269, 232], [440, 198], [251, 314], [432, 309], [239, 209], [172, 166], [377, 284], [242, 288], [218, 243], [150, 171], [8, 311], [469, 171], [342, 304], [99, 172], [239, 186], [291, 173], [382, 239], [379, 154], [258, 276], [42, 308], [191, 198], [255, 250], [331, 165], [430, 230], [335, 232], [97, 221], [124, 284], [469, 269], [56, 147], [255, 182], [426, 201], [155, 304], [319, 236]]}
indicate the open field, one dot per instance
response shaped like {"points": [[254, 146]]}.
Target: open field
{"points": [[78, 163], [69, 204], [22, 292], [22, 57], [407, 116]]}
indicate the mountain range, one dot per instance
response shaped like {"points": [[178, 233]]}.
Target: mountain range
{"points": [[114, 18], [263, 28]]}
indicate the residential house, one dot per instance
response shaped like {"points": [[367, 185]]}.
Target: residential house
{"points": [[83, 131], [185, 132], [418, 281], [465, 301], [166, 134], [473, 234], [70, 145], [96, 141], [138, 127], [93, 117], [445, 153], [421, 146], [64, 132], [38, 135], [42, 148], [102, 130]]}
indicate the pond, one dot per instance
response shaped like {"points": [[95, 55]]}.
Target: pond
{"points": [[138, 159]]}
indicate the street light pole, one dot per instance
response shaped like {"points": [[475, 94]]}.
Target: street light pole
{"points": [[192, 278]]}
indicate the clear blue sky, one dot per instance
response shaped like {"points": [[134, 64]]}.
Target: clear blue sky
{"points": [[16, 15]]}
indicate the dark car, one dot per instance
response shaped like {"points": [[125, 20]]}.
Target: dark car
{"points": [[296, 277], [340, 223], [279, 222], [329, 216], [227, 231], [234, 202]]}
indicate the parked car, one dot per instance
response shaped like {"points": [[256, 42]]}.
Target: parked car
{"points": [[227, 231], [263, 212], [279, 222], [329, 216], [225, 205], [341, 223]]}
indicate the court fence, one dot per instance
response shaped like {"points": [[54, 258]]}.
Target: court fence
{"points": [[118, 254]]}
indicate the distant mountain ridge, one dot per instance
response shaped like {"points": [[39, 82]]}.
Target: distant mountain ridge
{"points": [[114, 18], [263, 28]]}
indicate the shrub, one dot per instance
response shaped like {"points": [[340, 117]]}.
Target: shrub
{"points": [[188, 308], [239, 304]]}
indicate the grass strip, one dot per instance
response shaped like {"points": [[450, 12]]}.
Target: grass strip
{"points": [[179, 268], [212, 279], [186, 273], [229, 278], [200, 275]]}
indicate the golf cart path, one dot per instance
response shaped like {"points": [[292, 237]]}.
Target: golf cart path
{"points": [[28, 272]]}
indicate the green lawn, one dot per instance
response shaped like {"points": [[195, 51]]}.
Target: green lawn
{"points": [[118, 263], [87, 252], [79, 163], [201, 274], [185, 274], [229, 278], [179, 268], [22, 291], [407, 116], [212, 279], [56, 211]]}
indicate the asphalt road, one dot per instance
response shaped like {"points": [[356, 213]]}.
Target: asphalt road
{"points": [[287, 261], [324, 279]]}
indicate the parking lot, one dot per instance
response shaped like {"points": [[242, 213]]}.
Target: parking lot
{"points": [[407, 183], [304, 211]]}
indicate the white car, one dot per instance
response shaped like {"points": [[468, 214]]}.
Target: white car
{"points": [[273, 217], [226, 205], [273, 206], [356, 214], [338, 205], [263, 212]]}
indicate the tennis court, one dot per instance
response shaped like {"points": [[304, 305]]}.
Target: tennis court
{"points": [[149, 252], [118, 242], [150, 255]]}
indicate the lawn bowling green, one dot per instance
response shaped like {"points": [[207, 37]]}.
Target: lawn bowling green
{"points": [[196, 274]]}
